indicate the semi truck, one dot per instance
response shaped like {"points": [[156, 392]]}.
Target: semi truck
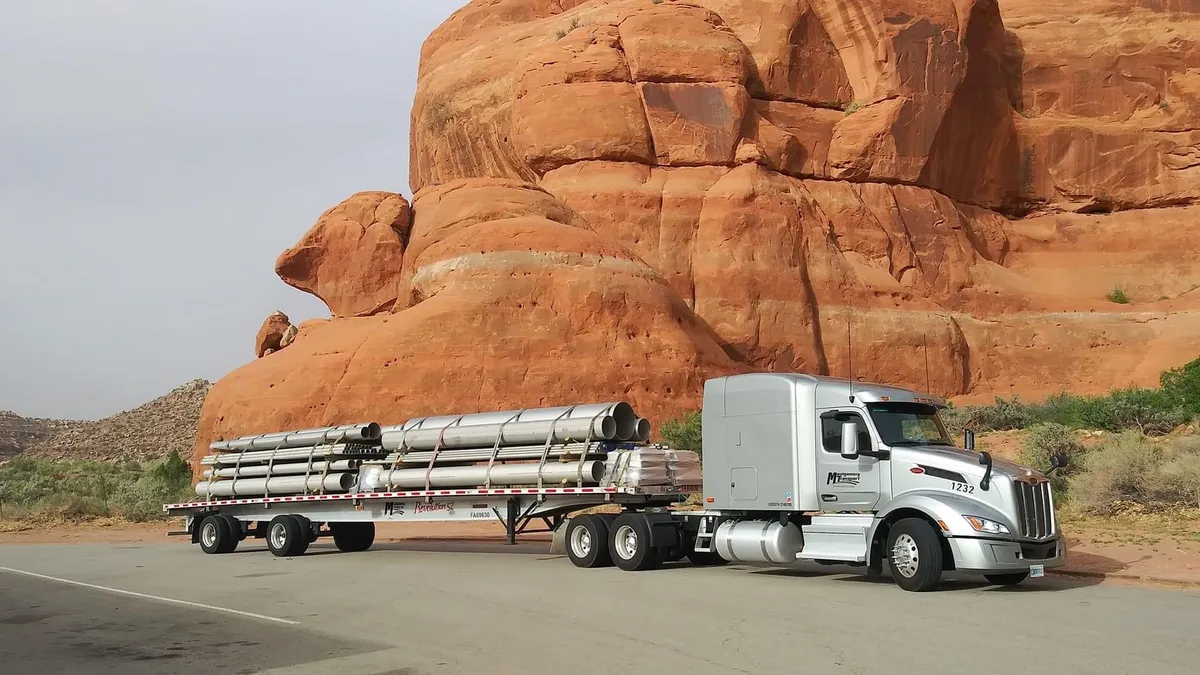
{"points": [[795, 467]]}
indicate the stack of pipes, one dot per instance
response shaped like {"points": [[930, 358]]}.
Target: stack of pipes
{"points": [[321, 460], [564, 445]]}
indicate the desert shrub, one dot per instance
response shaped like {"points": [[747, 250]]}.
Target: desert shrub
{"points": [[82, 489], [683, 434], [1118, 296], [1180, 387], [1045, 440], [1003, 415], [1129, 468]]}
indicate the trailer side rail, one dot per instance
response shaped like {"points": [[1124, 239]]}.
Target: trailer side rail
{"points": [[681, 491]]}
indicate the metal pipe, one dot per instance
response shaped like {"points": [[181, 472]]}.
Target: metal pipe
{"points": [[373, 476], [292, 454], [517, 433], [484, 454], [350, 433], [283, 469], [621, 412], [276, 485], [643, 430]]}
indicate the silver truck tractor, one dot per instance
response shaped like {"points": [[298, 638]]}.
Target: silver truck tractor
{"points": [[798, 467]]}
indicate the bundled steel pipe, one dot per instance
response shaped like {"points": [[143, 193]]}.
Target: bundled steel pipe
{"points": [[282, 469], [643, 430], [516, 433], [293, 454], [621, 413], [349, 433], [275, 485], [374, 477], [485, 454]]}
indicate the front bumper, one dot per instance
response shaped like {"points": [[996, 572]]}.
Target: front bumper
{"points": [[1000, 555]]}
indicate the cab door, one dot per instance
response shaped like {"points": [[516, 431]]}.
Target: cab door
{"points": [[846, 484]]}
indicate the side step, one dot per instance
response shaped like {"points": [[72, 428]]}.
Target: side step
{"points": [[837, 537]]}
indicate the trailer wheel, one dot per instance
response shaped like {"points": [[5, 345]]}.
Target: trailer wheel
{"points": [[286, 536], [216, 536], [915, 555], [235, 534], [587, 542], [353, 537], [629, 543]]}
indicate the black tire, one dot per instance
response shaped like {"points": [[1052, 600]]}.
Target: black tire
{"points": [[1006, 579], [702, 559], [629, 543], [235, 534], [681, 550], [587, 542], [353, 537], [921, 567], [216, 535], [286, 536]]}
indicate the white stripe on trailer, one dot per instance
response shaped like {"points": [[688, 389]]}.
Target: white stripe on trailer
{"points": [[395, 495]]}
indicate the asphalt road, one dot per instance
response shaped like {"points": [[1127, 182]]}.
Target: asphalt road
{"points": [[482, 608]]}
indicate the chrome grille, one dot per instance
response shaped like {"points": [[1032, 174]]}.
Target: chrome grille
{"points": [[1035, 508]]}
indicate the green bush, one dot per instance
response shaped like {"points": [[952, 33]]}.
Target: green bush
{"points": [[1045, 440], [1180, 387], [81, 489], [1131, 469], [683, 434]]}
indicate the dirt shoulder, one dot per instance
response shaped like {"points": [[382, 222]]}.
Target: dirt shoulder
{"points": [[1157, 549]]}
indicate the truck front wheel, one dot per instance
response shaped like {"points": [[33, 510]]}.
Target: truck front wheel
{"points": [[915, 555]]}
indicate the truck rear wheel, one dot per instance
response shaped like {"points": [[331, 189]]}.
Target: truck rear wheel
{"points": [[629, 543], [353, 537], [587, 542], [287, 536], [216, 536], [915, 555]]}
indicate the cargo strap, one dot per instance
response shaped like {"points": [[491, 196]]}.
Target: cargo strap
{"points": [[433, 459], [587, 442], [487, 476], [549, 442]]}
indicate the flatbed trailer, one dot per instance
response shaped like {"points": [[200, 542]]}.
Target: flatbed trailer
{"points": [[322, 515]]}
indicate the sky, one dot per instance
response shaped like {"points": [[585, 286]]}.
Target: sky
{"points": [[156, 158]]}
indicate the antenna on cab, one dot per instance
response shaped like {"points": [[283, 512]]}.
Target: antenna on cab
{"points": [[850, 358]]}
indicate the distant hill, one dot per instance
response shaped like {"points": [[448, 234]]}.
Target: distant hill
{"points": [[147, 432], [20, 433]]}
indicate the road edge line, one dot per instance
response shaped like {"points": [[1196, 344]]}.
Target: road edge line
{"points": [[147, 596]]}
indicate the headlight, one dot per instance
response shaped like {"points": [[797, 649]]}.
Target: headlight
{"points": [[985, 525]]}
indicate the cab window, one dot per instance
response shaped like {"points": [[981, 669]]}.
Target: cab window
{"points": [[831, 431]]}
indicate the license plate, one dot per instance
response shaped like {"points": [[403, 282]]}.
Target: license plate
{"points": [[1036, 571]]}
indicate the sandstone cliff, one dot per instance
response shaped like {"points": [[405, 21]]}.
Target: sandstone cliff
{"points": [[623, 197]]}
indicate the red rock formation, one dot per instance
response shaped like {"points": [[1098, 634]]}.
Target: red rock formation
{"points": [[619, 198], [270, 335], [350, 259]]}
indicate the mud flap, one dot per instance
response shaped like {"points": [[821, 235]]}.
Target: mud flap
{"points": [[558, 540]]}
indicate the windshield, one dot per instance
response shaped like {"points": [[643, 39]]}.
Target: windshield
{"points": [[908, 424]]}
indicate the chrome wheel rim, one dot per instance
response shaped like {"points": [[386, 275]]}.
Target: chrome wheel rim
{"points": [[208, 534], [905, 558], [581, 542], [278, 536], [625, 542]]}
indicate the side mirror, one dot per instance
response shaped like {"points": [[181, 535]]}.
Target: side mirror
{"points": [[969, 439], [1059, 461], [849, 440]]}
